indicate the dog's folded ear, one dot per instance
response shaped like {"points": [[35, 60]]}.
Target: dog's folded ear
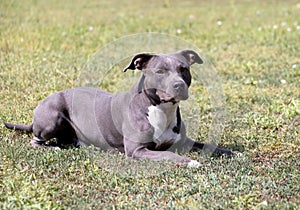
{"points": [[139, 61], [191, 56]]}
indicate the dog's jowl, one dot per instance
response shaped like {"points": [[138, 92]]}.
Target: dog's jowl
{"points": [[144, 122]]}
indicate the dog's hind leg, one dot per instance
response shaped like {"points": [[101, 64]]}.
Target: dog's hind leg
{"points": [[37, 142]]}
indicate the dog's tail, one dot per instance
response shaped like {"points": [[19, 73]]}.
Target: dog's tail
{"points": [[19, 127]]}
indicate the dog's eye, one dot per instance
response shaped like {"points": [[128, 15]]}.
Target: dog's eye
{"points": [[160, 71]]}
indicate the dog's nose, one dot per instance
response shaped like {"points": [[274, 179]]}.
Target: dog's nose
{"points": [[178, 85]]}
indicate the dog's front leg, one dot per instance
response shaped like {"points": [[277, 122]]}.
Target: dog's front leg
{"points": [[164, 155], [198, 146], [141, 152]]}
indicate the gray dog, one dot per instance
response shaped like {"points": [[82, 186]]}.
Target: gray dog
{"points": [[144, 122]]}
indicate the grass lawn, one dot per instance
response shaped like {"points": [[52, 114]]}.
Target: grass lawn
{"points": [[255, 47]]}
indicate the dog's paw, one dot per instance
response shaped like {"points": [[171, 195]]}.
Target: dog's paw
{"points": [[193, 164], [237, 154], [223, 152]]}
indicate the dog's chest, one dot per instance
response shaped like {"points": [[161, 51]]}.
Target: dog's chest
{"points": [[163, 119]]}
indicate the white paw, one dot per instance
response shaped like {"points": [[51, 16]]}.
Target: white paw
{"points": [[237, 153], [194, 164]]}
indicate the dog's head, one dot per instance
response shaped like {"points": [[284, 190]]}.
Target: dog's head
{"points": [[166, 77]]}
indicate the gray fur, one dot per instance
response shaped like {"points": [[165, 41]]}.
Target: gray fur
{"points": [[88, 116]]}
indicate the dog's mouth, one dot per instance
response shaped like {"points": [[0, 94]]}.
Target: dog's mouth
{"points": [[172, 100], [165, 97], [159, 96]]}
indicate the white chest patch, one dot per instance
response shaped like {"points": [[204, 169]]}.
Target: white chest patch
{"points": [[163, 119]]}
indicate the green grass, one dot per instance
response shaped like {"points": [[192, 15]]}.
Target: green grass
{"points": [[256, 51]]}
